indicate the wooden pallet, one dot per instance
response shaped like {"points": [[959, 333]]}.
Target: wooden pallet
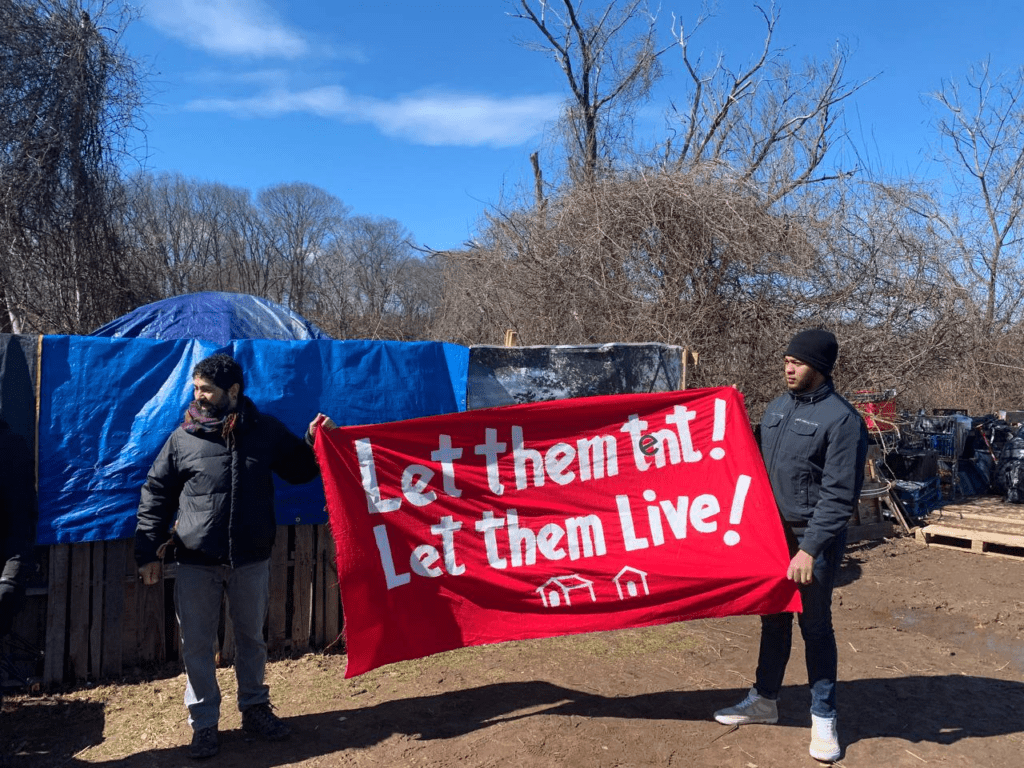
{"points": [[93, 619], [984, 524]]}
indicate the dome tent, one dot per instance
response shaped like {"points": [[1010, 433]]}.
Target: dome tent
{"points": [[99, 435], [213, 316]]}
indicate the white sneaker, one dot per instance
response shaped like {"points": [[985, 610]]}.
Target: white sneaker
{"points": [[753, 709], [824, 739]]}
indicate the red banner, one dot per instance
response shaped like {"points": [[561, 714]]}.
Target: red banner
{"points": [[549, 519]]}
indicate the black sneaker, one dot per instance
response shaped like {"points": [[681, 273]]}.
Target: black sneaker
{"points": [[205, 743], [258, 720]]}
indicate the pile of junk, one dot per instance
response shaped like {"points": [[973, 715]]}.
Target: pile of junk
{"points": [[928, 460]]}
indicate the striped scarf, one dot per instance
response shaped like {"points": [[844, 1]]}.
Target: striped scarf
{"points": [[196, 421]]}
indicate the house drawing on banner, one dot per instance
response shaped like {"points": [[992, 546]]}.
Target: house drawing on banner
{"points": [[558, 589], [627, 581]]}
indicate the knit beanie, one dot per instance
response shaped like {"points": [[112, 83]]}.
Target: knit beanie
{"points": [[818, 348]]}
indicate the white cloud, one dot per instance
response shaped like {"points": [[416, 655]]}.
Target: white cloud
{"points": [[230, 27], [433, 118]]}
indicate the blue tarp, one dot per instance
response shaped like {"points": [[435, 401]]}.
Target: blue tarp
{"points": [[213, 316], [108, 404]]}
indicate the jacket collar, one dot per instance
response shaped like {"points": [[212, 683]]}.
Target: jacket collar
{"points": [[815, 395]]}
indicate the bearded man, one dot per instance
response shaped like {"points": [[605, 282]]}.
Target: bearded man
{"points": [[208, 503]]}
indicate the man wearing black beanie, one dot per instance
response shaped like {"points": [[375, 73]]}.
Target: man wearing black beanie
{"points": [[814, 445]]}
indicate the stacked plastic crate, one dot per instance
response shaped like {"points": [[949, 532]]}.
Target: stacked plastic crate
{"points": [[919, 497]]}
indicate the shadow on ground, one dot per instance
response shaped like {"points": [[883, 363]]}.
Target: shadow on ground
{"points": [[942, 709], [48, 731]]}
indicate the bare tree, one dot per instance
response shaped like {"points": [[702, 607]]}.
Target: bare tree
{"points": [[610, 61], [373, 285], [770, 121], [741, 227], [645, 256], [69, 95], [701, 259], [883, 281], [417, 294], [980, 131], [301, 220], [253, 263], [356, 276], [183, 230], [377, 250]]}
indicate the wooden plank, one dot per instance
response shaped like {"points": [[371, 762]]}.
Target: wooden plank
{"points": [[302, 578], [952, 519], [867, 511], [868, 531], [970, 535], [980, 526], [113, 613], [277, 615], [152, 624], [56, 613], [874, 454], [96, 591], [968, 545], [897, 510], [319, 587], [689, 358], [984, 505], [78, 611], [992, 513], [130, 605], [332, 595]]}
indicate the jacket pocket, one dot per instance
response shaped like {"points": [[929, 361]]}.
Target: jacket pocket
{"points": [[802, 441], [799, 439]]}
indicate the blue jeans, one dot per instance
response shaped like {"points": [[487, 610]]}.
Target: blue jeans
{"points": [[816, 628], [198, 590]]}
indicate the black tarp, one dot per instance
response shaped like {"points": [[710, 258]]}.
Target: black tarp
{"points": [[19, 359], [1009, 477], [510, 375]]}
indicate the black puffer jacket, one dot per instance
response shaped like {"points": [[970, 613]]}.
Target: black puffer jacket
{"points": [[18, 511], [814, 446], [220, 497]]}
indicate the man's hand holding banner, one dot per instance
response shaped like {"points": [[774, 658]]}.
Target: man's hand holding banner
{"points": [[548, 519]]}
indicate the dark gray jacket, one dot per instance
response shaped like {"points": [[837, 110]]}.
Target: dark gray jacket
{"points": [[814, 446], [219, 496]]}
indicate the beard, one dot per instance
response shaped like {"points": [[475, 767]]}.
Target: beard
{"points": [[212, 410]]}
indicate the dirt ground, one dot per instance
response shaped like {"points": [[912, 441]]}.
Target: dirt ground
{"points": [[931, 647]]}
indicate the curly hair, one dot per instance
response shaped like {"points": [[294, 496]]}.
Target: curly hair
{"points": [[223, 370]]}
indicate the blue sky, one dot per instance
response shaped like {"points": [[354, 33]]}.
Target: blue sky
{"points": [[426, 111]]}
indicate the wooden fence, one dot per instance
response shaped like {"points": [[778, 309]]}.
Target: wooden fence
{"points": [[90, 618]]}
